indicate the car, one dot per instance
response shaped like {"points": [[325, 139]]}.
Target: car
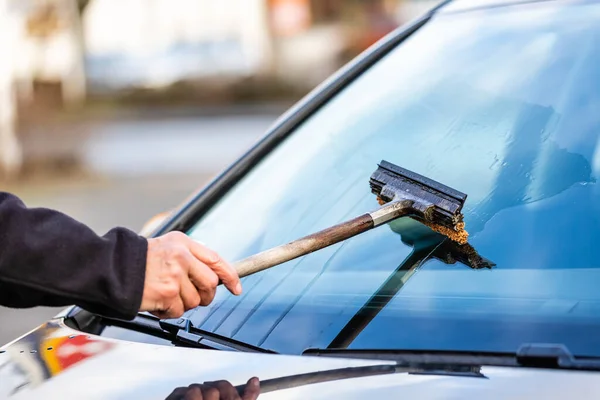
{"points": [[498, 99]]}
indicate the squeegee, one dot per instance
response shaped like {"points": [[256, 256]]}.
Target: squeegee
{"points": [[401, 193]]}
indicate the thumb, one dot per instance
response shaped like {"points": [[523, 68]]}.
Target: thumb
{"points": [[252, 389]]}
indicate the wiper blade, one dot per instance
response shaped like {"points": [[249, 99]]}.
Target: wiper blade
{"points": [[534, 355], [292, 381], [181, 333], [310, 378]]}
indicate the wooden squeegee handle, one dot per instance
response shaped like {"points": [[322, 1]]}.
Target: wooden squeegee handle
{"points": [[327, 237]]}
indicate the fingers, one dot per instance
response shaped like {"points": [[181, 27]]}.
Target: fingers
{"points": [[252, 389], [209, 392], [222, 269], [217, 390], [174, 310], [194, 392], [178, 393], [226, 390], [205, 281], [190, 296], [182, 274]]}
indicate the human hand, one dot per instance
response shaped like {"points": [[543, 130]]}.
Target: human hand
{"points": [[182, 274], [218, 390]]}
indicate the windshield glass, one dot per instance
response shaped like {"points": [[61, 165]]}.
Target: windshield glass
{"points": [[502, 104]]}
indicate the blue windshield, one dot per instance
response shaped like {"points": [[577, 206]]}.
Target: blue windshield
{"points": [[502, 104]]}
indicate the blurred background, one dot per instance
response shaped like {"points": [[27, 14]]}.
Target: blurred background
{"points": [[115, 110]]}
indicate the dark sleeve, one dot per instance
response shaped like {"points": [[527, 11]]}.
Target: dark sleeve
{"points": [[49, 259]]}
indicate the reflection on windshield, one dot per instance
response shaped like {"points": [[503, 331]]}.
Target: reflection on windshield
{"points": [[502, 110]]}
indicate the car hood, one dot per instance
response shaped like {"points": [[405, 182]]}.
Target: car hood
{"points": [[54, 361]]}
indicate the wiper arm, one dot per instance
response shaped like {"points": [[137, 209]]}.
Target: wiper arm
{"points": [[534, 355], [185, 331], [182, 333], [552, 355], [291, 381], [415, 362]]}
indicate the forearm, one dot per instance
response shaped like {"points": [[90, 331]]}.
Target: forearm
{"points": [[48, 258]]}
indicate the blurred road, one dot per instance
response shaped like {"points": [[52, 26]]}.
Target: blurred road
{"points": [[141, 167], [181, 145]]}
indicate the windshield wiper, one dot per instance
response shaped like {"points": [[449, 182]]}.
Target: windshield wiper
{"points": [[186, 332], [181, 332], [427, 244], [309, 378], [533, 355], [552, 355]]}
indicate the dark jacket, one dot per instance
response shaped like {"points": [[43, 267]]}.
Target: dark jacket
{"points": [[49, 259]]}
